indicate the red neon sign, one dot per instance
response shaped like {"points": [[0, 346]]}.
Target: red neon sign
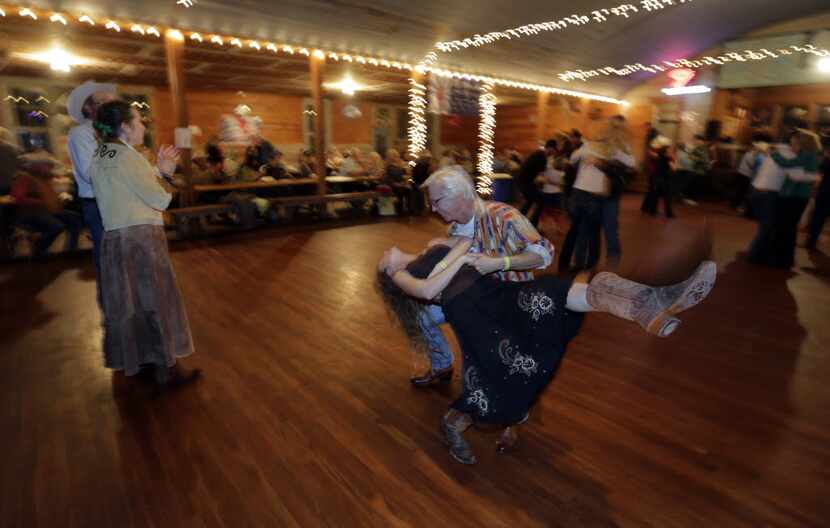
{"points": [[681, 77]]}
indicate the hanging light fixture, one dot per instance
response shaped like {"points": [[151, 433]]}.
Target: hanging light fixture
{"points": [[57, 58], [347, 85]]}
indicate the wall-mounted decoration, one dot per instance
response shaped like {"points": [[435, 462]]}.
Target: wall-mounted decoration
{"points": [[795, 116], [761, 117], [595, 114], [351, 112]]}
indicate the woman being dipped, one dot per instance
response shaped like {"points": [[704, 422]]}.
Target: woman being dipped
{"points": [[145, 323], [513, 335]]}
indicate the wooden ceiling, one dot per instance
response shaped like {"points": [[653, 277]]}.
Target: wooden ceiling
{"points": [[131, 58], [391, 29], [405, 30]]}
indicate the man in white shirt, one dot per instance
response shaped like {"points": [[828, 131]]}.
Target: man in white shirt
{"points": [[748, 168], [82, 105], [769, 177]]}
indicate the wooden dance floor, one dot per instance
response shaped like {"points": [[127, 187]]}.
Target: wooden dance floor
{"points": [[305, 416]]}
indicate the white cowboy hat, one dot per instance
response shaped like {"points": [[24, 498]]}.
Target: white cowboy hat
{"points": [[76, 100]]}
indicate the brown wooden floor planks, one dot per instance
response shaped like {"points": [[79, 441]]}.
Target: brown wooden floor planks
{"points": [[305, 416]]}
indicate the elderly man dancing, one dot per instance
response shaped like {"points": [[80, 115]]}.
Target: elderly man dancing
{"points": [[508, 243]]}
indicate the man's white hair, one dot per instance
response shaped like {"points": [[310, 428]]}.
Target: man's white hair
{"points": [[452, 181]]}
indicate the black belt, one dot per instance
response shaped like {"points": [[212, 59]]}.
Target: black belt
{"points": [[87, 199]]}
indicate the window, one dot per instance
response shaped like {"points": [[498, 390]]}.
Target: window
{"points": [[31, 109]]}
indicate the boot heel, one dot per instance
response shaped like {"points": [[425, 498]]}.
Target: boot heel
{"points": [[663, 325]]}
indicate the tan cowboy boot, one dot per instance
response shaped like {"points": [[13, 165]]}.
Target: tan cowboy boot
{"points": [[651, 307]]}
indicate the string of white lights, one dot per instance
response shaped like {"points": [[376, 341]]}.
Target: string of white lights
{"points": [[732, 56], [417, 119], [215, 39], [417, 130], [486, 136], [597, 16]]}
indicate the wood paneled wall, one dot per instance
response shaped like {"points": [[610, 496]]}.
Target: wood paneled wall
{"points": [[777, 98], [281, 114], [516, 128], [461, 132], [347, 131], [516, 125]]}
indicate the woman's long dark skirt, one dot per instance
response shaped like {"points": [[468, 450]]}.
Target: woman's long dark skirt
{"points": [[144, 317]]}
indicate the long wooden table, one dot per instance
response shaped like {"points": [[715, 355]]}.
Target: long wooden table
{"points": [[244, 186]]}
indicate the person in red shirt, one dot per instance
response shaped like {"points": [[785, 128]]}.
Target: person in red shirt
{"points": [[40, 209]]}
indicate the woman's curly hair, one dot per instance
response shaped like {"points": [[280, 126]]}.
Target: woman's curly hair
{"points": [[404, 309]]}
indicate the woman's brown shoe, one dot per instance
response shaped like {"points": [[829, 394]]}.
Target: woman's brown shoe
{"points": [[507, 441], [174, 377]]}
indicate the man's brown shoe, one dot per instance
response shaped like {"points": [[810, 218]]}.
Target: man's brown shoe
{"points": [[432, 377]]}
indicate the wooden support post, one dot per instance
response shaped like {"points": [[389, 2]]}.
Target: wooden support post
{"points": [[541, 116], [174, 49], [317, 61]]}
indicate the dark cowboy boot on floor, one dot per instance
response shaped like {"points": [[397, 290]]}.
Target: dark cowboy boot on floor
{"points": [[453, 424]]}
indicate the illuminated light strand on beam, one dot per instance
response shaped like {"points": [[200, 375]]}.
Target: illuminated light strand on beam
{"points": [[57, 17], [597, 16], [486, 135], [417, 129], [694, 64]]}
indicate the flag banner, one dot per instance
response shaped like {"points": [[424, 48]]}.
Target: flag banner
{"points": [[448, 96]]}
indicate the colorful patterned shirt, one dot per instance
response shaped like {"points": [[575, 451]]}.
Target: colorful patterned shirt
{"points": [[502, 231]]}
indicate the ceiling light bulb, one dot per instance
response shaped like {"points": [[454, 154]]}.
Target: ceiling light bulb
{"points": [[60, 60], [824, 65]]}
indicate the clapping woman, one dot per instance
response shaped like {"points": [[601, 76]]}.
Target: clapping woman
{"points": [[145, 322]]}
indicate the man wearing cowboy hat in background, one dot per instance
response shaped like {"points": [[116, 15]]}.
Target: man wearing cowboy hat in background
{"points": [[82, 106]]}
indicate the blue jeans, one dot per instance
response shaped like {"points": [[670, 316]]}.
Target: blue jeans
{"points": [[583, 237], [611, 227], [92, 220], [440, 354]]}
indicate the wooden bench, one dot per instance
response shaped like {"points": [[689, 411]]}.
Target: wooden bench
{"points": [[323, 198], [182, 217]]}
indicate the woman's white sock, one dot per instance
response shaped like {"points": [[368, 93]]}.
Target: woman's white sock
{"points": [[578, 298]]}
